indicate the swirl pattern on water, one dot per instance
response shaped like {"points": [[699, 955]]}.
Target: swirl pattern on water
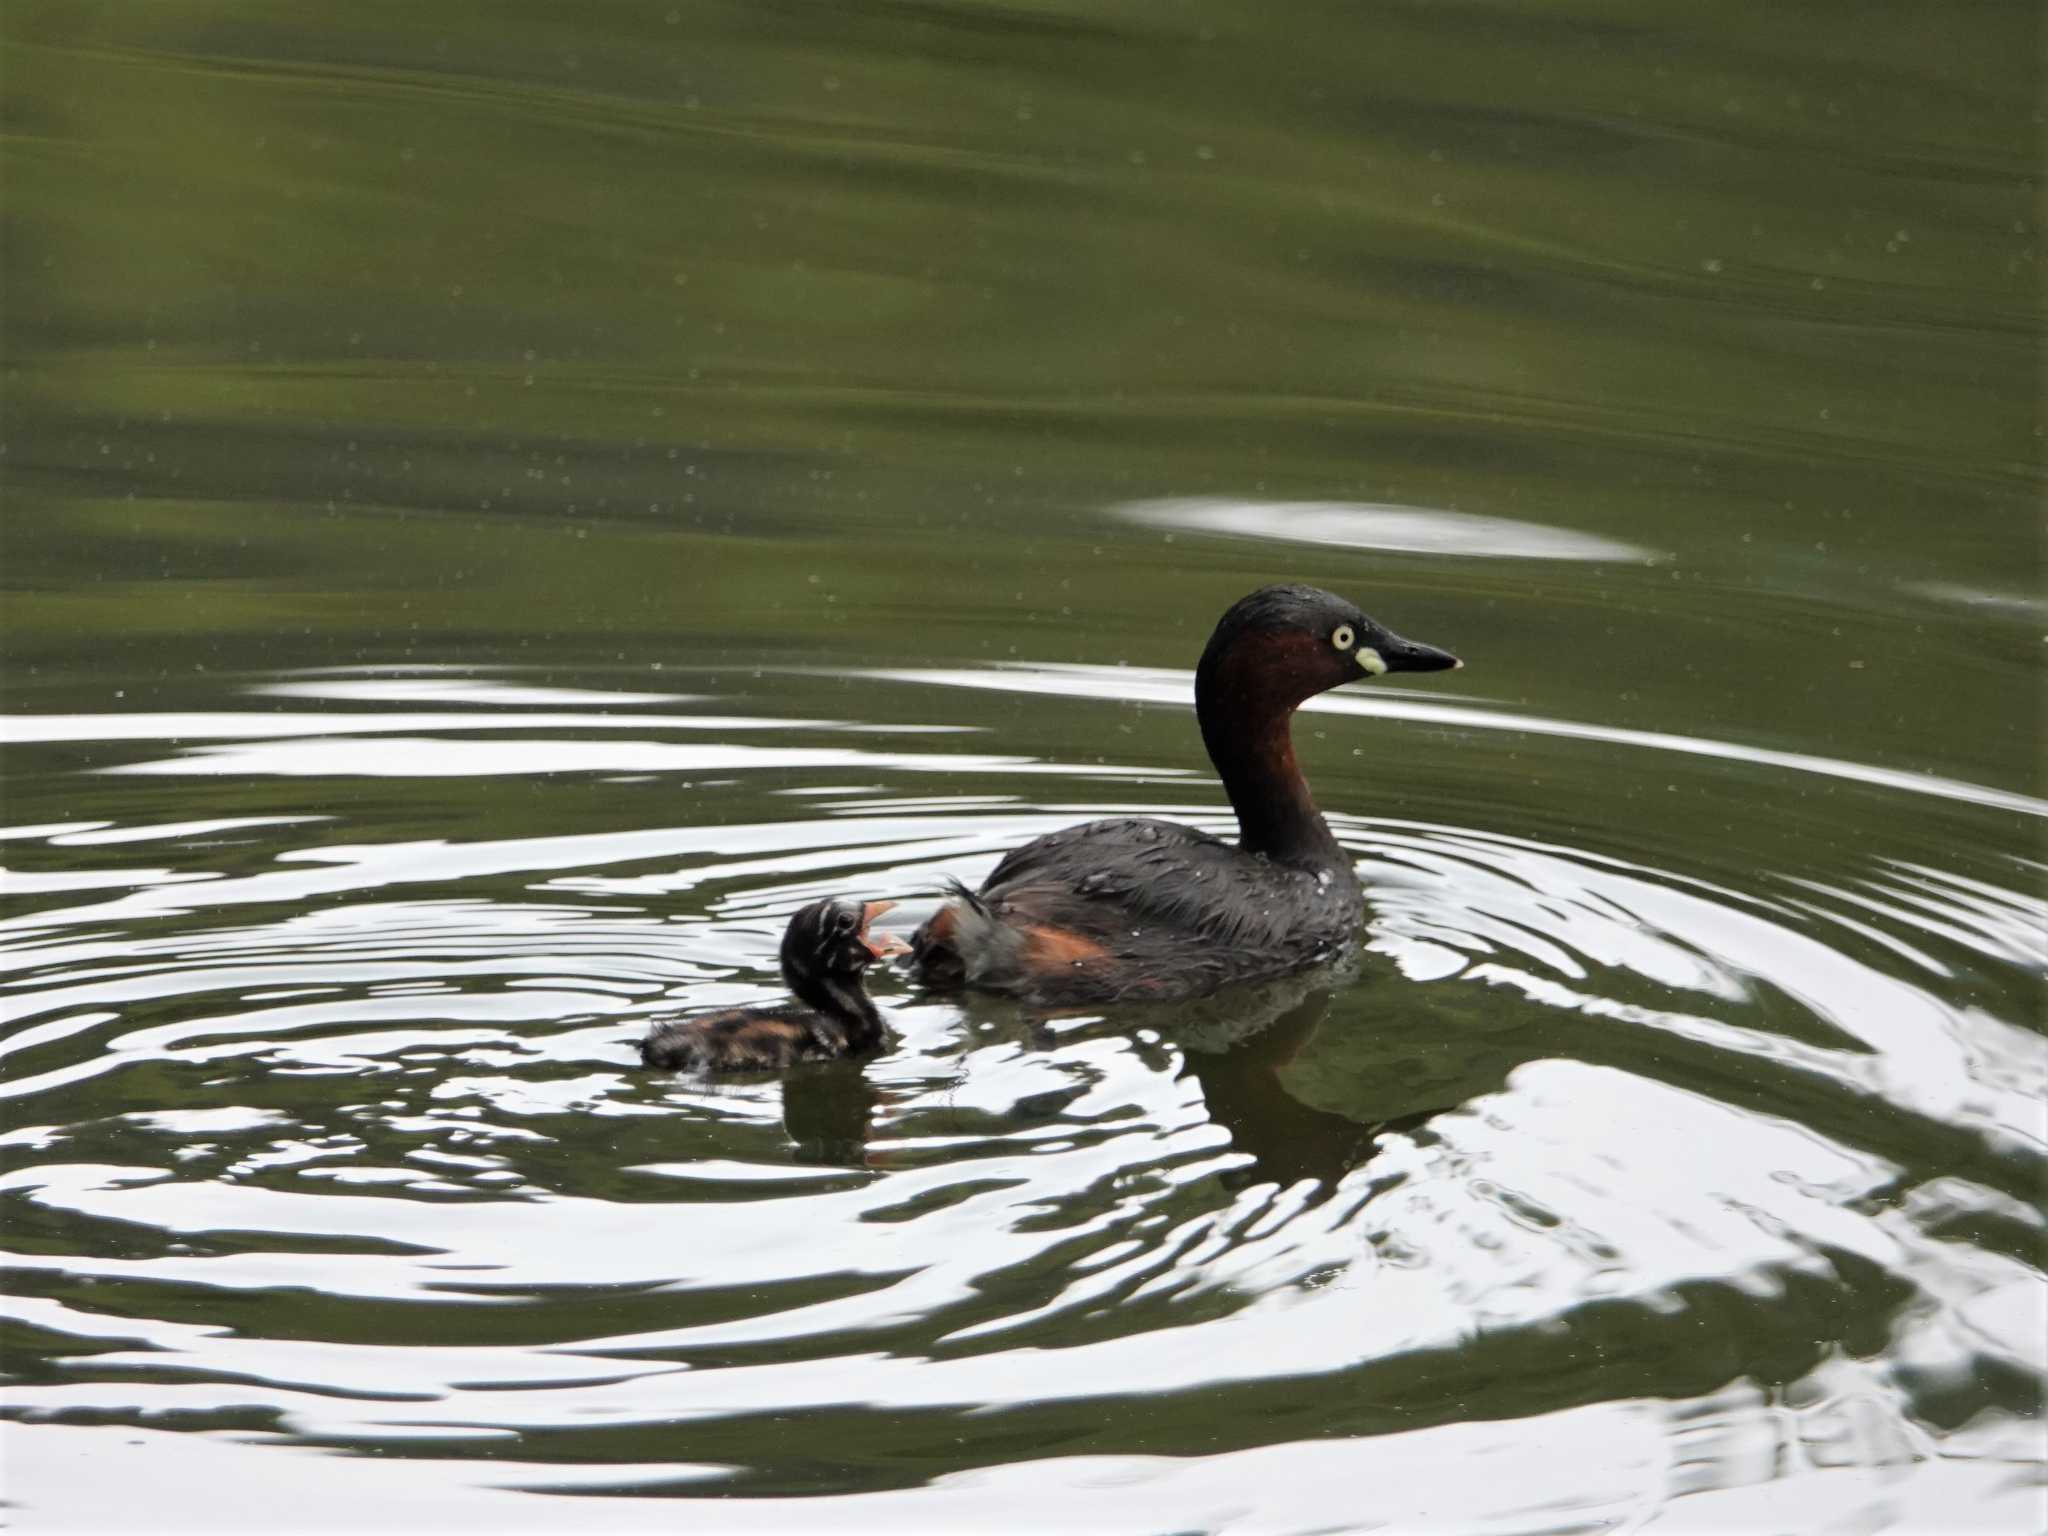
{"points": [[329, 1134]]}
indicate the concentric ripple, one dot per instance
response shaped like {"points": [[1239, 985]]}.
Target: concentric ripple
{"points": [[1674, 1185]]}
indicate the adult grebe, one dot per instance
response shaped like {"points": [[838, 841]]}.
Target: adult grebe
{"points": [[1136, 908]]}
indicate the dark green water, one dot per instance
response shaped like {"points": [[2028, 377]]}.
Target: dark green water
{"points": [[505, 503]]}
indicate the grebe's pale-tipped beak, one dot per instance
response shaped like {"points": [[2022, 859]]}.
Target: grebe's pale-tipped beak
{"points": [[1397, 655], [883, 945]]}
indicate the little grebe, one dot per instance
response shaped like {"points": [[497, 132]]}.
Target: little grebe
{"points": [[1135, 908], [824, 954]]}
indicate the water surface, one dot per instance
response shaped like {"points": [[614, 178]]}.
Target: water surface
{"points": [[506, 504]]}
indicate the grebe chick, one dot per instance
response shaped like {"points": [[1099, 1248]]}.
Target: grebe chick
{"points": [[825, 953], [1137, 908]]}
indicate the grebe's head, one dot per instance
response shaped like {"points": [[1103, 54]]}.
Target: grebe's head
{"points": [[1284, 644], [829, 941]]}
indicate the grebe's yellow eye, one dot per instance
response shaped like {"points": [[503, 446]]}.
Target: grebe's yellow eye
{"points": [[1341, 637]]}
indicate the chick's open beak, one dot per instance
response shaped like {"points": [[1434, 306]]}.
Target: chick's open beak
{"points": [[881, 946]]}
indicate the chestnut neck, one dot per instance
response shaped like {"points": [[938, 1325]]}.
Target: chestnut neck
{"points": [[1247, 728]]}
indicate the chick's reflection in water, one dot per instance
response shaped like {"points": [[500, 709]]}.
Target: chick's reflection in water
{"points": [[828, 1110]]}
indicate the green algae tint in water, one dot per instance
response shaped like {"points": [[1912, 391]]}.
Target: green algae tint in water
{"points": [[505, 504]]}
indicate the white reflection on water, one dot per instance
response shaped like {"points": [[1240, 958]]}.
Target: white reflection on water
{"points": [[226, 725], [1167, 685], [1376, 525], [1429, 1243], [1571, 1182], [424, 757], [1498, 900], [460, 690], [2029, 607], [166, 830], [1732, 1462], [397, 1100]]}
